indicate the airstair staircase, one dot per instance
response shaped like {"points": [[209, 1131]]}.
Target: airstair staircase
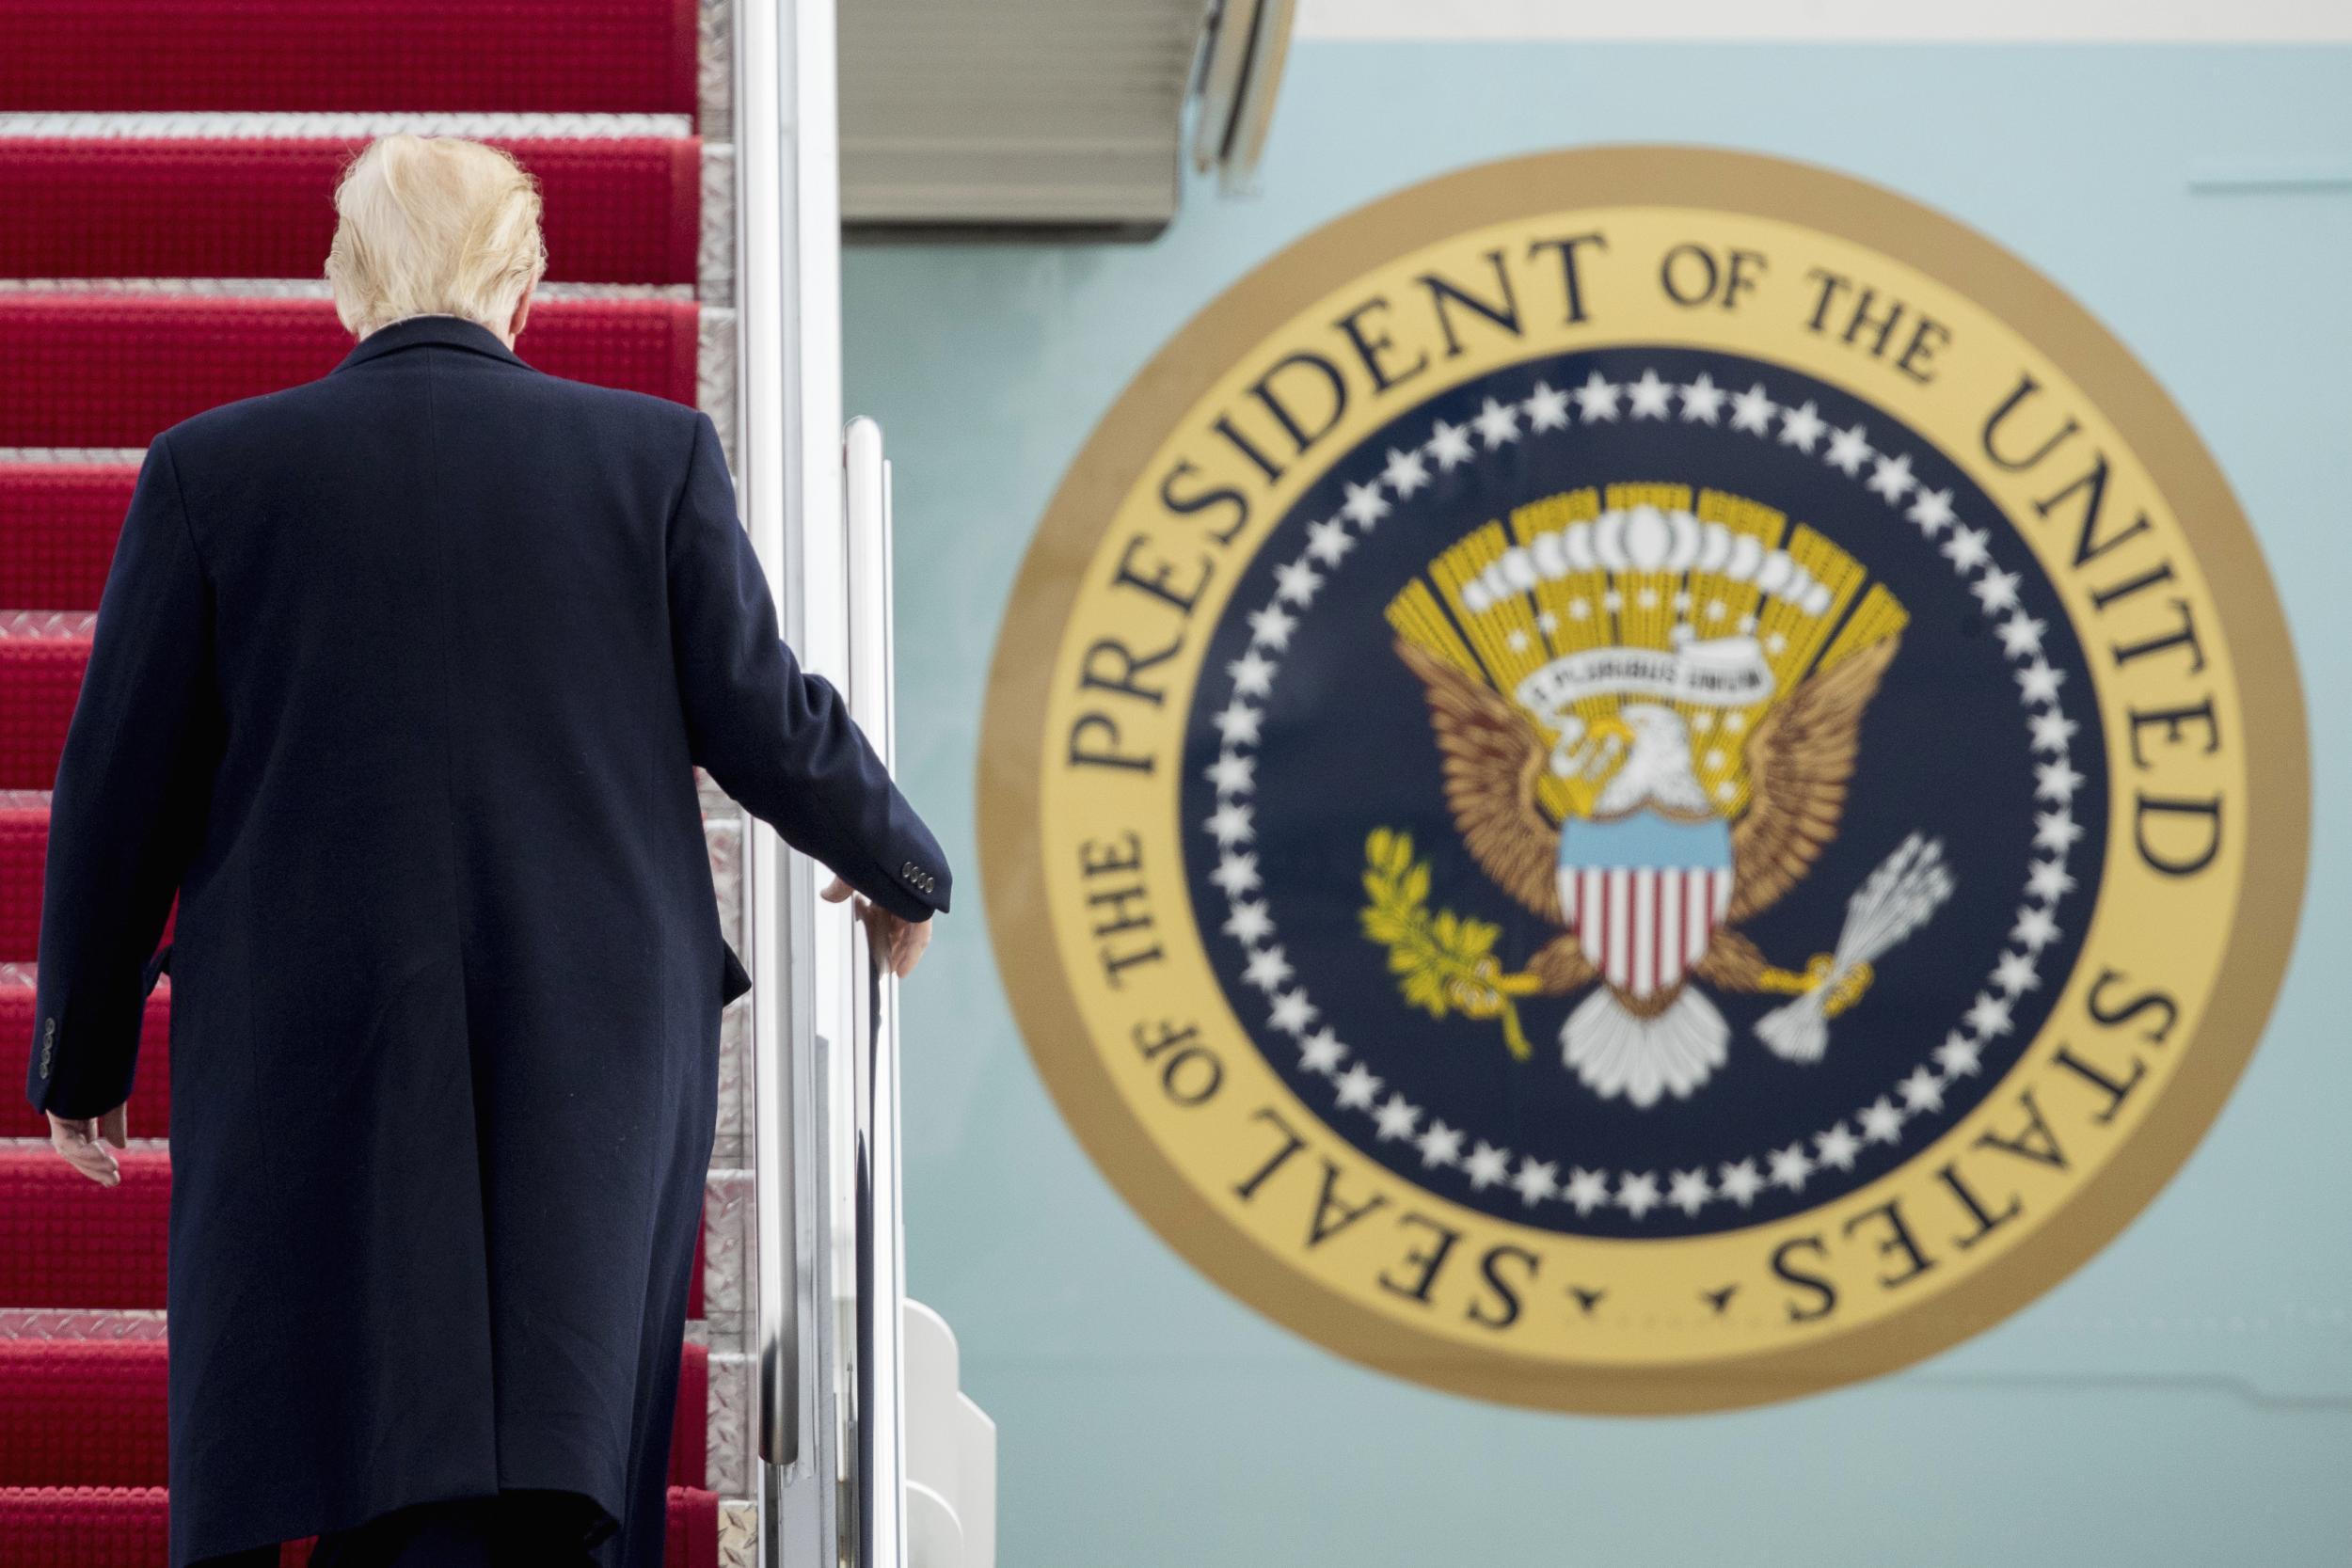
{"points": [[165, 167]]}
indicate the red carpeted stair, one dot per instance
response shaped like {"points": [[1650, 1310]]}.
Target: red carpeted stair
{"points": [[58, 527], [170, 216], [52, 1217], [249, 56], [621, 210], [110, 370], [90, 1412], [24, 846], [41, 659], [122, 1526]]}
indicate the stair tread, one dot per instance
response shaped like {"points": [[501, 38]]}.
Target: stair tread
{"points": [[91, 1413], [111, 369], [67, 1243], [41, 675], [24, 820], [124, 1527], [618, 209], [58, 522], [620, 57]]}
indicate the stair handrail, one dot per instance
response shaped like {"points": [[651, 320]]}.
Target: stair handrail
{"points": [[764, 492], [879, 1424], [824, 1030], [788, 473]]}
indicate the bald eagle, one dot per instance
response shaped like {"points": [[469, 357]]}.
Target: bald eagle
{"points": [[1650, 887]]}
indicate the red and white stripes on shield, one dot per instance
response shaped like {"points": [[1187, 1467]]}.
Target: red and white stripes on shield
{"points": [[1640, 926]]}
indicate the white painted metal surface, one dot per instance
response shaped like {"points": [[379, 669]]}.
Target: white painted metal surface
{"points": [[788, 466], [951, 1453], [878, 1468]]}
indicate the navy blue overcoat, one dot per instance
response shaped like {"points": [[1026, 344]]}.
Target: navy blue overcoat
{"points": [[399, 682]]}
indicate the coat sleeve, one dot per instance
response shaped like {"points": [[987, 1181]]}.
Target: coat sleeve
{"points": [[776, 738], [132, 788]]}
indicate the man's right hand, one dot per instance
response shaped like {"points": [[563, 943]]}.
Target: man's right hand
{"points": [[83, 1142], [897, 942]]}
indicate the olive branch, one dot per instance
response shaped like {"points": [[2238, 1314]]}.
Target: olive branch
{"points": [[1444, 962]]}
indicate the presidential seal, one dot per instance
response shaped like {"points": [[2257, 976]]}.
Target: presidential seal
{"points": [[1642, 780]]}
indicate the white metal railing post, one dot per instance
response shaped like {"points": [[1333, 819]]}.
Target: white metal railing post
{"points": [[879, 1433], [787, 272], [824, 1021], [763, 465]]}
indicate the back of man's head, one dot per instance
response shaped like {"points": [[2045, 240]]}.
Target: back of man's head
{"points": [[434, 224]]}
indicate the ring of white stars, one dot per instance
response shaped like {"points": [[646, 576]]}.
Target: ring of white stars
{"points": [[1483, 1164]]}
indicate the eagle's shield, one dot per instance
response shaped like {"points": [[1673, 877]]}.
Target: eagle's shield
{"points": [[1644, 895]]}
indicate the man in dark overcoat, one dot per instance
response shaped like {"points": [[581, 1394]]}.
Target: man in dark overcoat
{"points": [[399, 684]]}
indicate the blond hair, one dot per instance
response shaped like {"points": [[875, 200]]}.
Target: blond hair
{"points": [[434, 224]]}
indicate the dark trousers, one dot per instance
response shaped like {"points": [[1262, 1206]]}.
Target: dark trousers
{"points": [[512, 1529]]}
